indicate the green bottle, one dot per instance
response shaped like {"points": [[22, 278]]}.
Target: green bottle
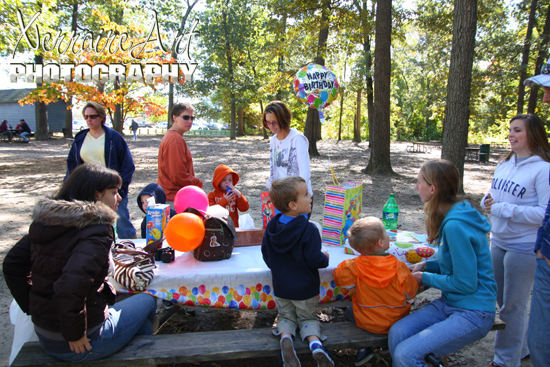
{"points": [[390, 213]]}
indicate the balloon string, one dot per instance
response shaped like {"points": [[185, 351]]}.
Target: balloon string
{"points": [[334, 179]]}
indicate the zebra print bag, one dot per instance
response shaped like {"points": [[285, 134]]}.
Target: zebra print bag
{"points": [[132, 268]]}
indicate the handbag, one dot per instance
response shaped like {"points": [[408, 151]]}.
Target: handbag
{"points": [[219, 237], [132, 267]]}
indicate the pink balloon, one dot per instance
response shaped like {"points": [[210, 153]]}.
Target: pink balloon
{"points": [[191, 197]]}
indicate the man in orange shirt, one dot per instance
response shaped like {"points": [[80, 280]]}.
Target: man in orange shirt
{"points": [[175, 162]]}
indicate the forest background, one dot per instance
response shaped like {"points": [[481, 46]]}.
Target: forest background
{"points": [[443, 70]]}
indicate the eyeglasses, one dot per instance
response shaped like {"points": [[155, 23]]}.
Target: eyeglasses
{"points": [[90, 117], [186, 118], [274, 123]]}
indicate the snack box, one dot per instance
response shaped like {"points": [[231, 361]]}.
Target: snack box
{"points": [[157, 217]]}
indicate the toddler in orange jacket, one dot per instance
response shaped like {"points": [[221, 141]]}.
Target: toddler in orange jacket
{"points": [[384, 286], [226, 194]]}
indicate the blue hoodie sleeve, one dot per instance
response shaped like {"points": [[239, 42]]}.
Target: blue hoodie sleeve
{"points": [[457, 261], [314, 257], [543, 235]]}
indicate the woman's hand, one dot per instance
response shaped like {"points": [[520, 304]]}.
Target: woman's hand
{"points": [[418, 277], [81, 345], [421, 266], [541, 256], [489, 201]]}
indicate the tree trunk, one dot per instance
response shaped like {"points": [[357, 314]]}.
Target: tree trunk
{"points": [[455, 132], [541, 59], [230, 72], [357, 124], [525, 56], [341, 106], [240, 114], [41, 111], [380, 162], [68, 104], [370, 94], [281, 63], [170, 105], [313, 116]]}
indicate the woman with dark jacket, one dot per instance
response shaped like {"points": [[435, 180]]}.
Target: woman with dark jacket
{"points": [[58, 272], [106, 147]]}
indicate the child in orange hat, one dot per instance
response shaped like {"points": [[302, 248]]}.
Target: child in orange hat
{"points": [[226, 194]]}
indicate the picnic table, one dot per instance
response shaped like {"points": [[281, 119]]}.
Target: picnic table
{"points": [[244, 280], [472, 154], [418, 147]]}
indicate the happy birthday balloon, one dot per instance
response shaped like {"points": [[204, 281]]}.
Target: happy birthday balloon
{"points": [[184, 232], [191, 197], [316, 86]]}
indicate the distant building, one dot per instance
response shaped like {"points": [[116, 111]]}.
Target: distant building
{"points": [[12, 111]]}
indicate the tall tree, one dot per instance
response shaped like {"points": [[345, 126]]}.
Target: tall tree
{"points": [[541, 59], [525, 55], [455, 129], [380, 162]]}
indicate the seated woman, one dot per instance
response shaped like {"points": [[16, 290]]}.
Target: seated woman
{"points": [[463, 271], [58, 272]]}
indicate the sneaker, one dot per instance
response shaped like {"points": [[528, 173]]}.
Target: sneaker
{"points": [[190, 312], [322, 357], [363, 356], [290, 359], [492, 364]]}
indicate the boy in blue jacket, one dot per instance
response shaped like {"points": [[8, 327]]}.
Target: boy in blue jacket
{"points": [[291, 248]]}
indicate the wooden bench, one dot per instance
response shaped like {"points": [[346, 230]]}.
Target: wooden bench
{"points": [[211, 346]]}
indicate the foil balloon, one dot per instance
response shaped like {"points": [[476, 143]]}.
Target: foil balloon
{"points": [[316, 86]]}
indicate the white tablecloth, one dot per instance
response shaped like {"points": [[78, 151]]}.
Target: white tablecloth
{"points": [[244, 280]]}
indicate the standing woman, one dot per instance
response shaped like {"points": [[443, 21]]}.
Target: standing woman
{"points": [[289, 148], [463, 271], [58, 272], [516, 204], [106, 147], [175, 162]]}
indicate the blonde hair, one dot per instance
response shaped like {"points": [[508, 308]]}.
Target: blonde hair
{"points": [[365, 233], [284, 191], [99, 109]]}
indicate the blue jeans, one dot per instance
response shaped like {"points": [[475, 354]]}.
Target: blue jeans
{"points": [[514, 274], [135, 134], [436, 328], [128, 318], [539, 319], [23, 136], [124, 228]]}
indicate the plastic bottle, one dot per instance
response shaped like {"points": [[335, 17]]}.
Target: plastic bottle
{"points": [[390, 213]]}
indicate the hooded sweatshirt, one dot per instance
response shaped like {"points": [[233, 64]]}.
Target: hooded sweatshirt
{"points": [[543, 235], [157, 192], [292, 251], [464, 268], [521, 192], [216, 196], [383, 284]]}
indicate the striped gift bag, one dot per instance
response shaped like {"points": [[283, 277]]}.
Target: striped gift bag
{"points": [[342, 207]]}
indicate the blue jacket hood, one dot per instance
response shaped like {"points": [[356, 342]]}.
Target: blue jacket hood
{"points": [[155, 191], [465, 212]]}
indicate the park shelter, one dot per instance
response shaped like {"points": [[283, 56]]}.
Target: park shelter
{"points": [[11, 110]]}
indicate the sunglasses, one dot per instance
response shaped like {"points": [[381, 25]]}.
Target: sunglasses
{"points": [[187, 118], [90, 117]]}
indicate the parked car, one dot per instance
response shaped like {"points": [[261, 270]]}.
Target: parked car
{"points": [[79, 125], [162, 125], [144, 124], [198, 126]]}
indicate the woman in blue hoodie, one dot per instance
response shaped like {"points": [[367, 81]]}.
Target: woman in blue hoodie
{"points": [[463, 271]]}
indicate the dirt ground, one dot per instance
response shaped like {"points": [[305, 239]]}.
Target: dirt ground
{"points": [[29, 171]]}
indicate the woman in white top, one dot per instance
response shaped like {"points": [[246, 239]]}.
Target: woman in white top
{"points": [[516, 205], [289, 147]]}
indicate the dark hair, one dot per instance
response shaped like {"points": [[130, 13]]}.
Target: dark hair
{"points": [[536, 136], [178, 108], [283, 191], [99, 109], [87, 179], [281, 112]]}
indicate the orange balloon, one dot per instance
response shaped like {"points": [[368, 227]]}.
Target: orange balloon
{"points": [[184, 232]]}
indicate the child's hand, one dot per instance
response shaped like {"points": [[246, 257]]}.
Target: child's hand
{"points": [[326, 254], [231, 197], [234, 189]]}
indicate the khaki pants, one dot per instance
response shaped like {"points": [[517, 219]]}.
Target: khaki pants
{"points": [[298, 314]]}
